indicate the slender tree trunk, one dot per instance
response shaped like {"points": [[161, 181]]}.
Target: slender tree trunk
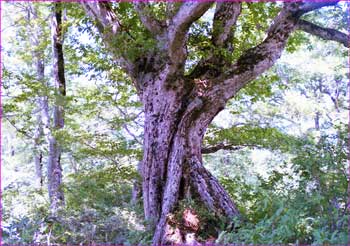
{"points": [[38, 155], [38, 55], [54, 168], [38, 133], [40, 69], [317, 121]]}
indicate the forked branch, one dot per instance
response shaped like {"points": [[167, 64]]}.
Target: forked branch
{"points": [[188, 13], [225, 19]]}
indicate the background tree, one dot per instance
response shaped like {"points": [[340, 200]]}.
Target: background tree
{"points": [[54, 169], [38, 54]]}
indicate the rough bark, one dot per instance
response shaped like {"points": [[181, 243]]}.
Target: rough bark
{"points": [[225, 18], [179, 108], [54, 169], [186, 146], [213, 194], [178, 28], [161, 116]]}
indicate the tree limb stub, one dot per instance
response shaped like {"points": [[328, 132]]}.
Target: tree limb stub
{"points": [[324, 33]]}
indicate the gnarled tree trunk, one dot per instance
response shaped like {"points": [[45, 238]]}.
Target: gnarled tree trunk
{"points": [[178, 107], [175, 123]]}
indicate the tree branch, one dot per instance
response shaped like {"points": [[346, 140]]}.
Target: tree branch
{"points": [[220, 146], [104, 16], [324, 33], [225, 18], [172, 8], [310, 6], [188, 13], [25, 133], [257, 60], [153, 25], [109, 27]]}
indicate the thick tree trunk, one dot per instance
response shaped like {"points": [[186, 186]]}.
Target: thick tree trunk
{"points": [[175, 123], [162, 108]]}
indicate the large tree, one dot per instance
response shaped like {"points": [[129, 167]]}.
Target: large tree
{"points": [[179, 104]]}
